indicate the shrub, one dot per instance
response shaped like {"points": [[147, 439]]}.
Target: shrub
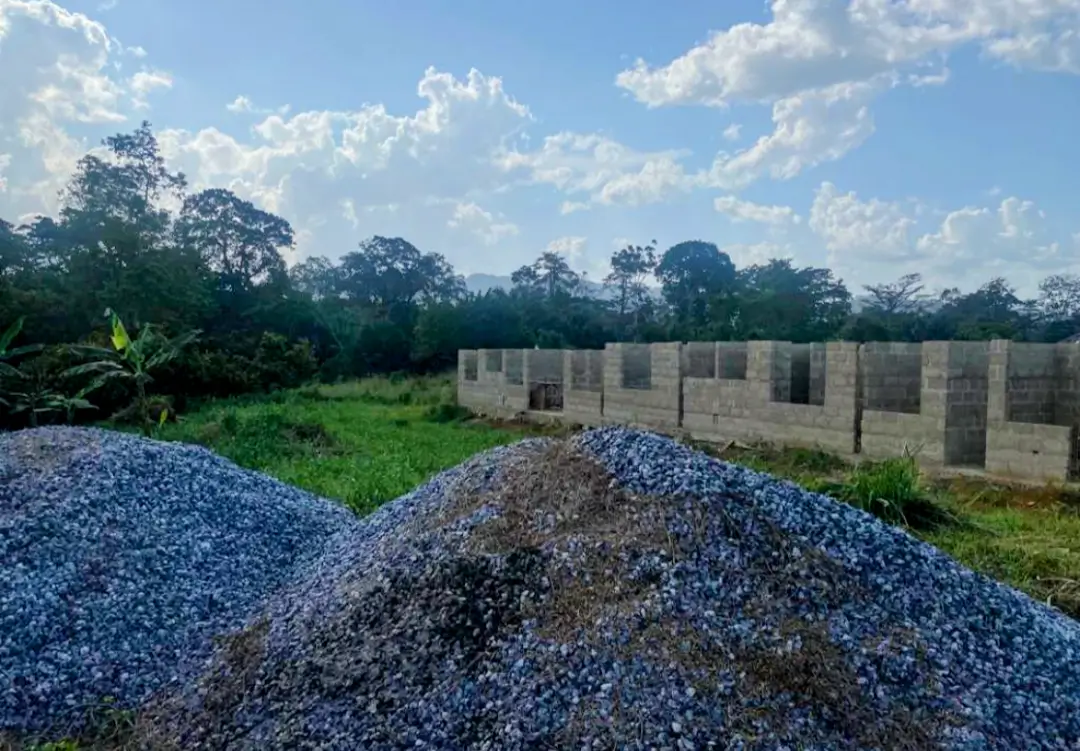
{"points": [[891, 490]]}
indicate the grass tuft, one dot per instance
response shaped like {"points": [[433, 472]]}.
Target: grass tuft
{"points": [[893, 491]]}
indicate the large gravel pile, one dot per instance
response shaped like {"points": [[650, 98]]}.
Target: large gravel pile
{"points": [[121, 557], [622, 591]]}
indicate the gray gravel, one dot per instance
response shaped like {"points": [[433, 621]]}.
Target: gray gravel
{"points": [[121, 557], [617, 591], [627, 592]]}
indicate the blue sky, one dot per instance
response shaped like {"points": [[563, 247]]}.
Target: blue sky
{"points": [[877, 137]]}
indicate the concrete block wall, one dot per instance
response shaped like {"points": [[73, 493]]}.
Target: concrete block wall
{"points": [[628, 401], [760, 406], [583, 387], [949, 428], [470, 392], [891, 374], [1032, 423], [488, 386], [958, 404], [544, 373]]}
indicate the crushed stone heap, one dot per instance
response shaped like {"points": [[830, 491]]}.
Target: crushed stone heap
{"points": [[120, 559], [618, 590]]}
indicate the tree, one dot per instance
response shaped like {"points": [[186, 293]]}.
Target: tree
{"points": [[241, 243], [691, 274], [900, 296], [316, 277], [549, 275], [388, 274], [630, 267], [1059, 297], [124, 190], [776, 300]]}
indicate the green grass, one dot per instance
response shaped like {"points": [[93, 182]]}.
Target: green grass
{"points": [[1025, 536], [369, 441], [362, 443]]}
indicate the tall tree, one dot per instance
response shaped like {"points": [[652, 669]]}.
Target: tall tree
{"points": [[777, 300], [691, 274], [125, 188], [389, 273], [900, 296], [549, 275], [630, 267], [241, 243]]}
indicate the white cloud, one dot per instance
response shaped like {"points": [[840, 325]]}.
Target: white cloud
{"points": [[63, 73], [810, 128], [5, 160], [814, 44], [145, 81], [872, 228], [747, 211], [820, 63], [243, 105], [971, 244], [756, 254], [240, 104], [570, 248], [732, 132], [606, 171], [483, 224]]}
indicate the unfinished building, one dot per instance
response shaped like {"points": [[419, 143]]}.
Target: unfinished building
{"points": [[1001, 406], [927, 399], [642, 385], [1034, 410]]}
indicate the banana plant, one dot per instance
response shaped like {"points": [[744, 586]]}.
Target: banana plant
{"points": [[7, 370], [131, 360], [34, 393]]}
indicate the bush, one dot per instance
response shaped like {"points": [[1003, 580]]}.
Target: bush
{"points": [[892, 490]]}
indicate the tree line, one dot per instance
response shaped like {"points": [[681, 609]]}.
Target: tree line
{"points": [[209, 268]]}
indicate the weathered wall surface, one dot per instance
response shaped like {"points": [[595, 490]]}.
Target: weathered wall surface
{"points": [[1007, 407], [642, 384], [583, 394], [1031, 417]]}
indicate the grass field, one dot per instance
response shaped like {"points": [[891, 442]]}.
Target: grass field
{"points": [[367, 442]]}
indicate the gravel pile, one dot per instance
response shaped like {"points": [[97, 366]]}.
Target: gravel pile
{"points": [[121, 557], [621, 591]]}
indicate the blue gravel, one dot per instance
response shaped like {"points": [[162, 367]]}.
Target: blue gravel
{"points": [[121, 557], [635, 595], [615, 591]]}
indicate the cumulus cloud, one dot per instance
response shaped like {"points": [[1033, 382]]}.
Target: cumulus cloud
{"points": [[809, 129], [469, 216], [145, 81], [569, 247], [62, 71], [756, 254], [747, 211], [848, 225], [732, 132], [819, 63], [244, 105], [814, 44], [972, 243], [601, 169]]}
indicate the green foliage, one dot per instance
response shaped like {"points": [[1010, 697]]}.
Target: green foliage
{"points": [[892, 490], [363, 442], [132, 360], [217, 265]]}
